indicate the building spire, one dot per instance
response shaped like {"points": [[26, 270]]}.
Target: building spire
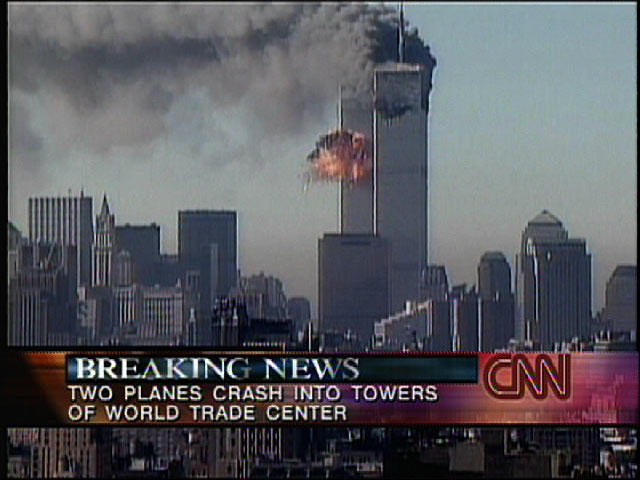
{"points": [[105, 205]]}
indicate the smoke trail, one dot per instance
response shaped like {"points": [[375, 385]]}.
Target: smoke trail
{"points": [[107, 75]]}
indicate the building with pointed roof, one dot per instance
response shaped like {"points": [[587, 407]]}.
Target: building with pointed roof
{"points": [[553, 283], [104, 247]]}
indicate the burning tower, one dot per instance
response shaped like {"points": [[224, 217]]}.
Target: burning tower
{"points": [[390, 203]]}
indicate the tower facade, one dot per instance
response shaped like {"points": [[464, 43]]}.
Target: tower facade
{"points": [[392, 201], [621, 299], [104, 247], [400, 173], [356, 199], [207, 246], [67, 221], [553, 283], [496, 302], [353, 272]]}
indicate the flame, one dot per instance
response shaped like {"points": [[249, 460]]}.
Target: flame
{"points": [[340, 155]]}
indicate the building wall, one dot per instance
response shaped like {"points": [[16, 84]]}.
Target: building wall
{"points": [[42, 296], [143, 244], [400, 183], [353, 282], [621, 299], [356, 200], [553, 284], [207, 242], [68, 221]]}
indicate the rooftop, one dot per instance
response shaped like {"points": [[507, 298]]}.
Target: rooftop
{"points": [[545, 218]]}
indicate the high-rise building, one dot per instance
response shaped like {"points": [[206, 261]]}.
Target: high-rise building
{"points": [[401, 96], [95, 314], [353, 288], [392, 201], [299, 310], [162, 315], [553, 284], [42, 296], [142, 242], [207, 241], [67, 221], [104, 247], [263, 296], [496, 302], [435, 284], [356, 199], [494, 276], [621, 299], [464, 309]]}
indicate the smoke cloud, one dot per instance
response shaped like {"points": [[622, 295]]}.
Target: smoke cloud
{"points": [[106, 76]]}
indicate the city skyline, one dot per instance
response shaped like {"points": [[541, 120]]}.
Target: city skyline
{"points": [[278, 223]]}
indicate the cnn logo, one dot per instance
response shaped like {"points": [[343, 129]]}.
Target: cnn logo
{"points": [[507, 376]]}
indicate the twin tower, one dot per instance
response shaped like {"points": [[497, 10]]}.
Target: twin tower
{"points": [[375, 264]]}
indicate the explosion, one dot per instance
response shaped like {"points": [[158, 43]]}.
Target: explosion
{"points": [[340, 155]]}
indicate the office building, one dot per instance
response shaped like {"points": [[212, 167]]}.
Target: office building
{"points": [[162, 315], [553, 284], [67, 221], [142, 242], [262, 295], [353, 290], [392, 201], [42, 296], [104, 247], [95, 314], [207, 242], [464, 308], [299, 310], [400, 173], [356, 199], [435, 284], [621, 299], [494, 276], [496, 302]]}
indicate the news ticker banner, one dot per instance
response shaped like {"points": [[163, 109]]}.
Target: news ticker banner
{"points": [[279, 389]]}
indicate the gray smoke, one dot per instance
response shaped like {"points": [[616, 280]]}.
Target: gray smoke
{"points": [[107, 75]]}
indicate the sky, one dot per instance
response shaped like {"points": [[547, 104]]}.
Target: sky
{"points": [[166, 108]]}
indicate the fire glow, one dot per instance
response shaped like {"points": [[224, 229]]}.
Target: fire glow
{"points": [[340, 155]]}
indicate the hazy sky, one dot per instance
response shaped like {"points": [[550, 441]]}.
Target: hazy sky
{"points": [[170, 108]]}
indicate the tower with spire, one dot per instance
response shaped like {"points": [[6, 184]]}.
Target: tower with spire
{"points": [[104, 247]]}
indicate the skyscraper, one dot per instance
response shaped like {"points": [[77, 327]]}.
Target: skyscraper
{"points": [[494, 275], [353, 283], [464, 318], [207, 243], [143, 244], [356, 199], [67, 221], [553, 283], [392, 202], [104, 247], [621, 299], [496, 302], [42, 296], [400, 173]]}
